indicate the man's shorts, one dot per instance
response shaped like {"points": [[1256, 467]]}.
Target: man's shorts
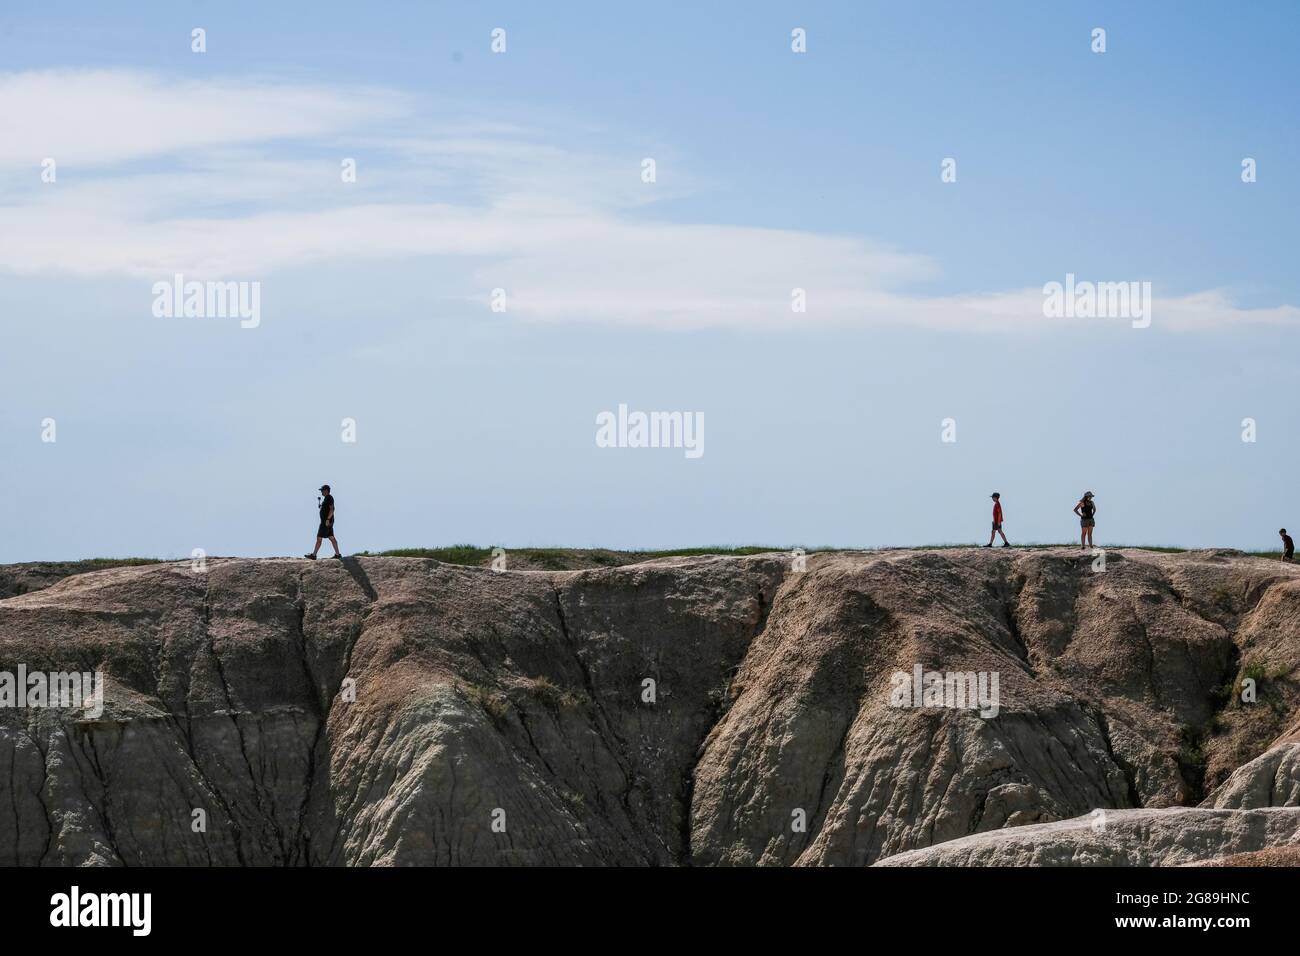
{"points": [[997, 526], [326, 530]]}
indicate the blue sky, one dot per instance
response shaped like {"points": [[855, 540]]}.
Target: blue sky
{"points": [[522, 170]]}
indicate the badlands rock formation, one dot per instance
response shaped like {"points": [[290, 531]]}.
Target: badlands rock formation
{"points": [[1118, 838], [704, 711]]}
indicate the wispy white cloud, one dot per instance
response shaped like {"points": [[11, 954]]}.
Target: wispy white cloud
{"points": [[222, 179], [94, 117]]}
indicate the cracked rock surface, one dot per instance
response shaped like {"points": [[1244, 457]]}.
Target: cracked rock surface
{"points": [[704, 711]]}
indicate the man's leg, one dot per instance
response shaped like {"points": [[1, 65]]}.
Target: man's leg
{"points": [[316, 550], [334, 541], [1004, 536]]}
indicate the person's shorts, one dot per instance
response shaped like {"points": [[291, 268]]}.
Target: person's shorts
{"points": [[997, 526], [1087, 522], [326, 530], [1288, 556]]}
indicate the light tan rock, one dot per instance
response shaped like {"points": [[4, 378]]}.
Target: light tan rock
{"points": [[1121, 838]]}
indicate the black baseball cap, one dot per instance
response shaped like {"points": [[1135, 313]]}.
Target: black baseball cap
{"points": [[324, 488]]}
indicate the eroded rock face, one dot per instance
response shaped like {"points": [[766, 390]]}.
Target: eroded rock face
{"points": [[1120, 838], [31, 576], [394, 711], [1270, 780]]}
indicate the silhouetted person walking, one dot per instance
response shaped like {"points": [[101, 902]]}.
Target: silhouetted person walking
{"points": [[326, 529], [997, 521], [1288, 546], [1085, 509]]}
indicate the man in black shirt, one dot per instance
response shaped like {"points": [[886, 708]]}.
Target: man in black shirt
{"points": [[326, 529], [1288, 546]]}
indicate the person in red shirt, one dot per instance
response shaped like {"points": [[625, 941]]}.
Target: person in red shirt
{"points": [[997, 522]]}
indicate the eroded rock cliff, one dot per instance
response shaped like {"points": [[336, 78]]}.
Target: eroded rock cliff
{"points": [[392, 711]]}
